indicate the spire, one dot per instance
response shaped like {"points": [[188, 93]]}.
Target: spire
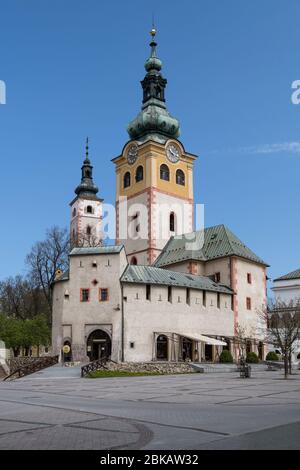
{"points": [[87, 160], [87, 186], [154, 121], [153, 63]]}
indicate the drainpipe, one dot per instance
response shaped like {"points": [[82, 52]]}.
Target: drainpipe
{"points": [[122, 324]]}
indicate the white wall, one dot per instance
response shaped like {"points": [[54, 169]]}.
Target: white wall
{"points": [[77, 319], [144, 317]]}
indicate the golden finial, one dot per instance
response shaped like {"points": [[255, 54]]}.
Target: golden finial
{"points": [[153, 32], [153, 29]]}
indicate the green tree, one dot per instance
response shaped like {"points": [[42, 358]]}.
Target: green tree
{"points": [[18, 333], [226, 357], [11, 332]]}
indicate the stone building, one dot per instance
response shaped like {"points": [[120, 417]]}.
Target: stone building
{"points": [[164, 291], [286, 290]]}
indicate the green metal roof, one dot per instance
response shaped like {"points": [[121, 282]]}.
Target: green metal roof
{"points": [[292, 275], [151, 275], [98, 250], [214, 242]]}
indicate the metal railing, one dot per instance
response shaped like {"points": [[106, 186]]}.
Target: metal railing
{"points": [[94, 365]]}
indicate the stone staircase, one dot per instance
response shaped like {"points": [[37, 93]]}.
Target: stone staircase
{"points": [[207, 368]]}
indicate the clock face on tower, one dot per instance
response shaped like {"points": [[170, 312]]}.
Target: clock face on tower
{"points": [[132, 154], [173, 153]]}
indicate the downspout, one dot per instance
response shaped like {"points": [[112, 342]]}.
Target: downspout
{"points": [[122, 324]]}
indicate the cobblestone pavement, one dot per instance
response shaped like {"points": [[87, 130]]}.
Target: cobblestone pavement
{"points": [[56, 409]]}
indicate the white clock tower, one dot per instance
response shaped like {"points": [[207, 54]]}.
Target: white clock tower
{"points": [[86, 209]]}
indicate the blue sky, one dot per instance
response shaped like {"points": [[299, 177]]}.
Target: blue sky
{"points": [[72, 69]]}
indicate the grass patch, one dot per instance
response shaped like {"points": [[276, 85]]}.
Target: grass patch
{"points": [[99, 374]]}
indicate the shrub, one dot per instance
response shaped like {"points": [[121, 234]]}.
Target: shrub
{"points": [[252, 358], [272, 356], [226, 357]]}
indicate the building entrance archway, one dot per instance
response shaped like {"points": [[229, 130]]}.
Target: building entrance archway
{"points": [[98, 345]]}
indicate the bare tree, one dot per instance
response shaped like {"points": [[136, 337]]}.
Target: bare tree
{"points": [[20, 298], [90, 239], [243, 334], [283, 328], [46, 258]]}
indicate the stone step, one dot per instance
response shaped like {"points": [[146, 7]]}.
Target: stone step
{"points": [[206, 368]]}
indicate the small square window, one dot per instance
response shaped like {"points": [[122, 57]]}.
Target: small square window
{"points": [[103, 295], [85, 295], [131, 344]]}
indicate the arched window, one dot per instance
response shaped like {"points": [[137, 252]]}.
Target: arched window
{"points": [[133, 260], [127, 179], [88, 230], [89, 209], [139, 175], [164, 173], [162, 348], [180, 177], [172, 222], [74, 212]]}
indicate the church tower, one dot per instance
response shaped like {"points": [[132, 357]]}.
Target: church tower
{"points": [[86, 209], [154, 174]]}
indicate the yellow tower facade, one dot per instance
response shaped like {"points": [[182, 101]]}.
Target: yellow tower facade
{"points": [[154, 175]]}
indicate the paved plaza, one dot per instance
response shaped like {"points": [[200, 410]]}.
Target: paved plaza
{"points": [[56, 409]]}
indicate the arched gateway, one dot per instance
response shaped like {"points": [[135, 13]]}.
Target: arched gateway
{"points": [[98, 345]]}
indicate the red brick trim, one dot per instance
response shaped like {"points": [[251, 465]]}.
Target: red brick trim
{"points": [[233, 285]]}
